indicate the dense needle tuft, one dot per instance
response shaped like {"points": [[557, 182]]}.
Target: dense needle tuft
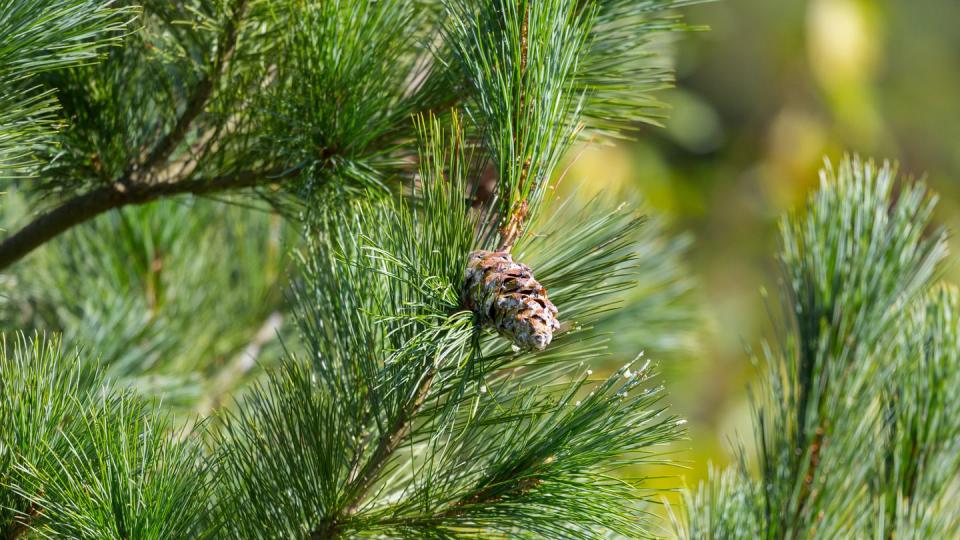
{"points": [[504, 294]]}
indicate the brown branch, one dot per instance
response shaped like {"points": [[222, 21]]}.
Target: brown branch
{"points": [[117, 195], [22, 524], [808, 490], [226, 46], [363, 480], [135, 186]]}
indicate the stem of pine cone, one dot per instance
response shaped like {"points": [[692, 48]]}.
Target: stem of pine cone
{"points": [[510, 232], [523, 38]]}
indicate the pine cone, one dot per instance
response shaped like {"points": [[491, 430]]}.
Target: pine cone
{"points": [[504, 294]]}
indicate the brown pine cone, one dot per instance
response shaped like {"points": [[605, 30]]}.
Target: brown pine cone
{"points": [[504, 294]]}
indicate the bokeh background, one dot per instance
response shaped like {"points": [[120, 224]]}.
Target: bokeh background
{"points": [[772, 88]]}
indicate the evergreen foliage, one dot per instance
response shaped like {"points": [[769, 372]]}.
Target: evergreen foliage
{"points": [[385, 408], [855, 426], [370, 401], [37, 38], [82, 463]]}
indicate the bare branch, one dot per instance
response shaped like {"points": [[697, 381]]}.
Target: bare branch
{"points": [[117, 195]]}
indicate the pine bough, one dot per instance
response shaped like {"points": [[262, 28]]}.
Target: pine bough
{"points": [[856, 424], [396, 411]]}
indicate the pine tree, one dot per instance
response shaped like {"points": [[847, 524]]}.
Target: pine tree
{"points": [[357, 137], [856, 424], [371, 338]]}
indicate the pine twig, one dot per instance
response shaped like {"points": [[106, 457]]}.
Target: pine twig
{"points": [[390, 441], [363, 479], [459, 508], [226, 46], [135, 185]]}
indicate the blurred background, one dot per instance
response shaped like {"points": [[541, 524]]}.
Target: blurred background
{"points": [[762, 97]]}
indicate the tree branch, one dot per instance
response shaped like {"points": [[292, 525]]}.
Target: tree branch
{"points": [[226, 46], [389, 441], [363, 479], [117, 195], [134, 187]]}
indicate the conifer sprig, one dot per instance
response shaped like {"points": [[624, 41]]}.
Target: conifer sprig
{"points": [[838, 441], [118, 473], [436, 432], [79, 460], [520, 59], [39, 390], [38, 37]]}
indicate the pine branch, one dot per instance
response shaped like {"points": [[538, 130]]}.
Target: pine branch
{"points": [[389, 441], [147, 178], [851, 418], [512, 226], [362, 480], [403, 417], [117, 195], [136, 185], [200, 96]]}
